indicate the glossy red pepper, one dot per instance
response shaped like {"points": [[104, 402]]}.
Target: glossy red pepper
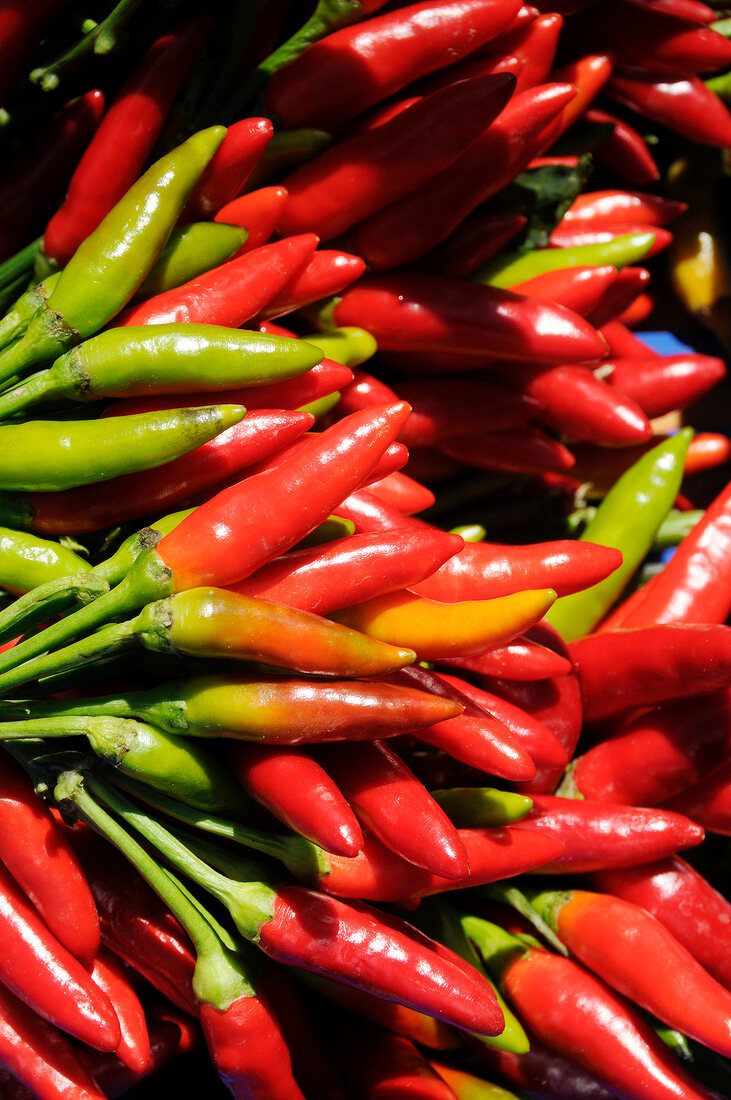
{"points": [[629, 284], [588, 74], [413, 225], [347, 571], [358, 66], [233, 161], [708, 803], [637, 956], [365, 172], [396, 807], [629, 207], [134, 1047], [297, 790], [681, 102], [534, 44], [621, 669], [230, 294], [576, 235], [126, 136], [257, 211], [658, 754], [598, 835], [32, 183], [328, 272], [189, 478], [521, 659], [674, 892], [402, 492], [525, 450], [578, 288], [625, 151], [660, 384]]}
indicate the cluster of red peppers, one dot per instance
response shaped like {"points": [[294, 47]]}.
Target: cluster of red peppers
{"points": [[300, 767]]}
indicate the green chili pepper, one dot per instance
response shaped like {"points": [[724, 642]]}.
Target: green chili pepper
{"points": [[27, 561], [628, 519], [477, 807], [322, 405], [107, 268], [190, 251], [334, 527], [348, 345], [167, 359], [16, 320], [509, 269], [51, 455]]}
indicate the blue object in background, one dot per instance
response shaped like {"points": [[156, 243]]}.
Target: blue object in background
{"points": [[665, 343]]}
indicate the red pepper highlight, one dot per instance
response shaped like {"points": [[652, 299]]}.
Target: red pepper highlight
{"points": [[681, 102], [328, 272], [258, 212]]}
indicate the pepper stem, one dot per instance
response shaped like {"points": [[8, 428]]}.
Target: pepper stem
{"points": [[48, 600], [106, 642]]}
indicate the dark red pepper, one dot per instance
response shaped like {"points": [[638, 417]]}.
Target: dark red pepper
{"points": [[681, 102]]}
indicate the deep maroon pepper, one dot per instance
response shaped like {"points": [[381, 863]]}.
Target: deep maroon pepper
{"points": [[297, 790], [441, 408], [126, 137], [625, 152], [116, 1079], [628, 285], [358, 66], [542, 1073]]}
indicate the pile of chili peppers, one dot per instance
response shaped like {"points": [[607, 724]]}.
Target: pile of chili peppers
{"points": [[365, 667]]}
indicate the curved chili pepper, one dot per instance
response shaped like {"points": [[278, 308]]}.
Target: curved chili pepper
{"points": [[678, 896], [134, 1047], [485, 570], [589, 75], [534, 44], [402, 492], [508, 270], [659, 385], [657, 754], [189, 251], [628, 519], [708, 804], [521, 659], [628, 287], [579, 236], [622, 669], [599, 835], [625, 151], [524, 450], [443, 630], [114, 1078], [107, 268], [37, 854], [229, 168], [257, 211], [26, 562], [424, 312], [682, 102], [168, 358], [364, 173], [414, 224], [230, 294], [631, 950], [534, 736], [237, 531], [396, 807], [128, 134], [328, 272], [578, 288], [387, 1065], [576, 403], [297, 790], [54, 455], [32, 183], [557, 998], [615, 206], [139, 494], [474, 241], [356, 67], [39, 1057]]}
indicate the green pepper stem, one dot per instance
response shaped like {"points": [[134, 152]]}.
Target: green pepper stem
{"points": [[48, 600], [251, 904], [496, 947], [106, 642], [20, 265], [101, 38], [37, 387]]}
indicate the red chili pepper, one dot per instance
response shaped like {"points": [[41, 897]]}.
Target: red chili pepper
{"points": [[598, 835], [125, 138], [650, 39], [474, 241], [200, 471], [683, 103], [521, 659], [402, 492], [657, 754], [475, 736], [661, 384], [625, 152], [534, 736], [441, 408], [233, 161], [629, 285], [230, 294], [38, 969], [589, 75], [364, 173], [424, 312], [482, 570], [337, 574], [578, 404], [22, 25], [696, 914], [709, 803], [134, 1047], [328, 272], [114, 1078], [358, 66], [627, 207], [683, 9], [534, 44], [380, 1064], [396, 807], [578, 288], [258, 212], [294, 787], [559, 1001], [39, 1056], [38, 855], [622, 669], [636, 955], [136, 925], [638, 311], [422, 219], [694, 586], [516, 450], [573, 235], [34, 180]]}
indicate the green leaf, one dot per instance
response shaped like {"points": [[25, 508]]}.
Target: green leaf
{"points": [[543, 195]]}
